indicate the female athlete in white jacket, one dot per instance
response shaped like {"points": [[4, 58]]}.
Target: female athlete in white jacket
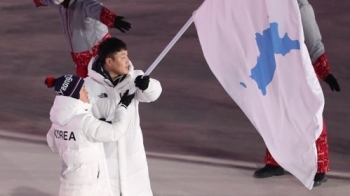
{"points": [[77, 136]]}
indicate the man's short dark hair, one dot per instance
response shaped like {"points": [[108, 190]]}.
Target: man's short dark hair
{"points": [[109, 47]]}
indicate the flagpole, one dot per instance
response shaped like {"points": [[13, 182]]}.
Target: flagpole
{"points": [[169, 46], [166, 50]]}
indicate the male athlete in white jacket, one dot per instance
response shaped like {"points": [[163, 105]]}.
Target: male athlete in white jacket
{"points": [[110, 75]]}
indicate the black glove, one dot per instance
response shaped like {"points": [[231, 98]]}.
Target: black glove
{"points": [[142, 82], [332, 82], [126, 99], [121, 25]]}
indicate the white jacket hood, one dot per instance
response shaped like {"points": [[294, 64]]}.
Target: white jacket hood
{"points": [[64, 109]]}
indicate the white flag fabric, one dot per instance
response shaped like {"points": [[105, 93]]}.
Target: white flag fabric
{"points": [[256, 50]]}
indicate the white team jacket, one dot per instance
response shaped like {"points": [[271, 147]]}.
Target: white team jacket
{"points": [[103, 96], [77, 136]]}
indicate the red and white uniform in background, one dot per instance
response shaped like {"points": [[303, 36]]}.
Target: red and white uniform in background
{"points": [[313, 41], [85, 24]]}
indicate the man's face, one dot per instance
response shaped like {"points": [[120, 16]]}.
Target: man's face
{"points": [[119, 64]]}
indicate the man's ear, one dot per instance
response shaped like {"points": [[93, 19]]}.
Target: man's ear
{"points": [[108, 62]]}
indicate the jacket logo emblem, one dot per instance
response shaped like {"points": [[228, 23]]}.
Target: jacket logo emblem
{"points": [[103, 95]]}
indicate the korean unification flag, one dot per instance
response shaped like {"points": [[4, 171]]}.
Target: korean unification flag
{"points": [[256, 50]]}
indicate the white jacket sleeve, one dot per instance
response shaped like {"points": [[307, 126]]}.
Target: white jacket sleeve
{"points": [[100, 131], [313, 38], [93, 8], [152, 93], [50, 138]]}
